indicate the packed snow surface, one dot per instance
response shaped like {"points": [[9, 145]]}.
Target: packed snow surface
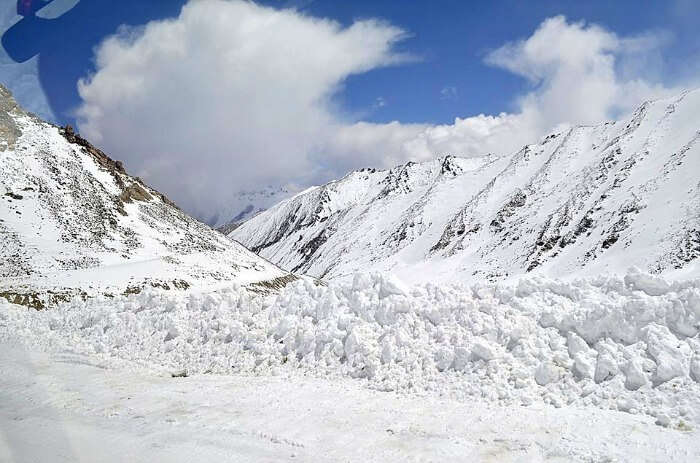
{"points": [[68, 408], [589, 200], [629, 344]]}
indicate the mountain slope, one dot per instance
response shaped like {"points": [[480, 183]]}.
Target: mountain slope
{"points": [[590, 199], [72, 220]]}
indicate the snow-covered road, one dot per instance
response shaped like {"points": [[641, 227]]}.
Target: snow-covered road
{"points": [[67, 407]]}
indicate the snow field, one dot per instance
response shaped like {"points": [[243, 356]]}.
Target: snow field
{"points": [[624, 343]]}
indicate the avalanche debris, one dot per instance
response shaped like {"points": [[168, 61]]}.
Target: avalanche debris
{"points": [[630, 344]]}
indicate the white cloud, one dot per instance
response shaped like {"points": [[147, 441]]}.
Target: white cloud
{"points": [[228, 96], [233, 96], [575, 69], [579, 74]]}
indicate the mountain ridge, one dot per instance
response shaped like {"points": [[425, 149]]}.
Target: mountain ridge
{"points": [[579, 200]]}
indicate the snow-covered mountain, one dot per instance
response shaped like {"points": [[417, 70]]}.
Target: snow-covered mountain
{"points": [[590, 199], [72, 220]]}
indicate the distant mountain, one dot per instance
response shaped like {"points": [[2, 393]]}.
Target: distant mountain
{"points": [[589, 199], [244, 205], [73, 221]]}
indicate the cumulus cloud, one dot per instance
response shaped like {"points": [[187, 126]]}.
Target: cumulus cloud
{"points": [[229, 95], [578, 74], [576, 70], [232, 96]]}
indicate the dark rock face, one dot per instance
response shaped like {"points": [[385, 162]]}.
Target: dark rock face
{"points": [[689, 248], [508, 209], [102, 158], [14, 195]]}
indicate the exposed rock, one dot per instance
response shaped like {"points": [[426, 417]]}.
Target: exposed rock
{"points": [[135, 192]]}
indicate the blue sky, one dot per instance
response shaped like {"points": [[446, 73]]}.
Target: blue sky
{"points": [[449, 39], [453, 36], [242, 96]]}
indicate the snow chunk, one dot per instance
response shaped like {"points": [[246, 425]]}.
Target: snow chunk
{"points": [[546, 373], [483, 350], [669, 354]]}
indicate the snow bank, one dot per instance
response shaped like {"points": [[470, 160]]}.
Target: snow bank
{"points": [[630, 344]]}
